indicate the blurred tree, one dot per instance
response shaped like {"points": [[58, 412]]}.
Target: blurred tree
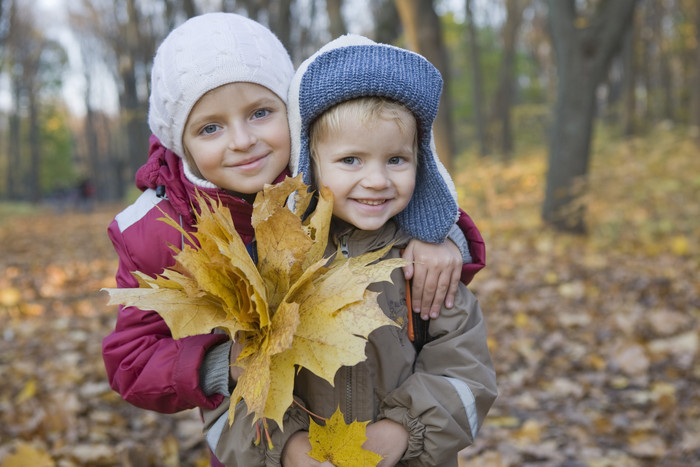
{"points": [[695, 83], [423, 34], [335, 16], [387, 26], [477, 84], [629, 84], [584, 46], [505, 93], [35, 67]]}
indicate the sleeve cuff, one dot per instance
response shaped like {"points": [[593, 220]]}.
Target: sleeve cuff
{"points": [[457, 236], [416, 430], [214, 373]]}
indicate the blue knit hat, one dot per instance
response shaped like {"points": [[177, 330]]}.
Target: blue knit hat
{"points": [[353, 66]]}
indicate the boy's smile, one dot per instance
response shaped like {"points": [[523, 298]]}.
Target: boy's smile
{"points": [[370, 169], [238, 137]]}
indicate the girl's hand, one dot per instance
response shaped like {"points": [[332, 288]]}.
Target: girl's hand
{"points": [[436, 271]]}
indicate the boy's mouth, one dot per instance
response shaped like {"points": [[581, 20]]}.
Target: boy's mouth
{"points": [[371, 202]]}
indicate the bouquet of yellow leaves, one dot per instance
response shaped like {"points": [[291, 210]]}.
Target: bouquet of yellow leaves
{"points": [[293, 309]]}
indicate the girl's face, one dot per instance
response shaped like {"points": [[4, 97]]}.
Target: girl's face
{"points": [[238, 137], [370, 168]]}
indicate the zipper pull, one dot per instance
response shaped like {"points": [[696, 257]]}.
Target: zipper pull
{"points": [[344, 246]]}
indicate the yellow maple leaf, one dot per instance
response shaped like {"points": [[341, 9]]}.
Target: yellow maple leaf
{"points": [[340, 443], [26, 454], [294, 309]]}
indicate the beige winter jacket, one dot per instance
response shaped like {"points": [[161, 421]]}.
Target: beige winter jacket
{"points": [[440, 395]]}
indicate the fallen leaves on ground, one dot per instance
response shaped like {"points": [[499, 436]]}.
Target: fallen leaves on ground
{"points": [[595, 339]]}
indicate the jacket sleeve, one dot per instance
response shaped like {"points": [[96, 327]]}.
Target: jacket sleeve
{"points": [[444, 402], [144, 364], [477, 248], [237, 444]]}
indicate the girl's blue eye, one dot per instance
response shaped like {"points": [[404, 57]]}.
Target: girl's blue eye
{"points": [[260, 113], [209, 129]]}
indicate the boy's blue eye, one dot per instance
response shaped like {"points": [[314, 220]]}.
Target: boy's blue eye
{"points": [[395, 160], [260, 113], [349, 160]]}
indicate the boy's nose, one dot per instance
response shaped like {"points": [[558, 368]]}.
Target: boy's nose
{"points": [[241, 138], [375, 178]]}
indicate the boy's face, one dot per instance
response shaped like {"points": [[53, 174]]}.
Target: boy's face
{"points": [[370, 168], [238, 137]]}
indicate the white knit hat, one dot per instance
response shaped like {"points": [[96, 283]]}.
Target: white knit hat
{"points": [[206, 52]]}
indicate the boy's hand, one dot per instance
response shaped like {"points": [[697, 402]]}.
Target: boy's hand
{"points": [[436, 271], [294, 453], [387, 438]]}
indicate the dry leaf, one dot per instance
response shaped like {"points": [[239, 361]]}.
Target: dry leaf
{"points": [[341, 444], [292, 310], [26, 455]]}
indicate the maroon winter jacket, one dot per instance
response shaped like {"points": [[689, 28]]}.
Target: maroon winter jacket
{"points": [[144, 363]]}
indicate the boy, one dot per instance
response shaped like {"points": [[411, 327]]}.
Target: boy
{"points": [[218, 115], [361, 116]]}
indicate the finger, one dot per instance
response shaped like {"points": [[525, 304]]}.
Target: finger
{"points": [[440, 294], [408, 256], [428, 296], [408, 271], [417, 285], [452, 291]]}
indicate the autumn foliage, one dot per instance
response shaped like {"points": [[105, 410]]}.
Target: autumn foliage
{"points": [[295, 308]]}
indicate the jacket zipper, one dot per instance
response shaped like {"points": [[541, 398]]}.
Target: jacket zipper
{"points": [[348, 395], [348, 370], [344, 246]]}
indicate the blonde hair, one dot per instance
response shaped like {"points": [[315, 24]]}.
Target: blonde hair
{"points": [[366, 110]]}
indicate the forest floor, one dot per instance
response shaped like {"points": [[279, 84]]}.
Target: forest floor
{"points": [[595, 339]]}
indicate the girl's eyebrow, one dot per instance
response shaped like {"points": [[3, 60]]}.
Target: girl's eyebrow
{"points": [[266, 102]]}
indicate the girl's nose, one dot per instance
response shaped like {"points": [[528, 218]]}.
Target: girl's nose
{"points": [[241, 137]]}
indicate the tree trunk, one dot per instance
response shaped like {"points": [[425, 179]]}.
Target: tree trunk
{"points": [[14, 158], [335, 16], [189, 8], [387, 26], [695, 89], [33, 183], [477, 84], [583, 57], [423, 33], [665, 76], [503, 102], [629, 60], [281, 23], [133, 110]]}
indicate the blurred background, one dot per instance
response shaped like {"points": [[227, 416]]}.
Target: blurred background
{"points": [[571, 129]]}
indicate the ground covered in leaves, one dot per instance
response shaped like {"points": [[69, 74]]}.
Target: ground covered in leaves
{"points": [[596, 339]]}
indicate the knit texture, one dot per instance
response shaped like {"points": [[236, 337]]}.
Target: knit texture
{"points": [[353, 66], [206, 52]]}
